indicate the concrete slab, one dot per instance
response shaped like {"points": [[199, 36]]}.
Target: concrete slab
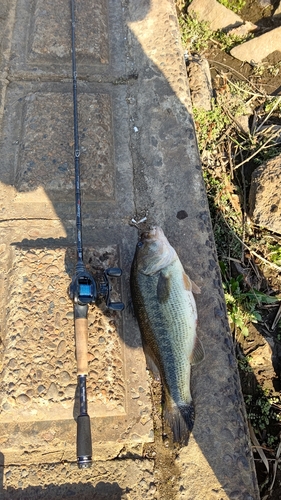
{"points": [[110, 481], [136, 124], [39, 376], [40, 43], [37, 145]]}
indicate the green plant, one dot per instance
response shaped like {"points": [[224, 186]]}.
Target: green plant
{"points": [[262, 411], [234, 5], [237, 315], [274, 253], [209, 125], [242, 306], [229, 40], [195, 34], [244, 365]]}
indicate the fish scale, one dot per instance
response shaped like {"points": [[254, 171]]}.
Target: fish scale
{"points": [[166, 312], [172, 330]]}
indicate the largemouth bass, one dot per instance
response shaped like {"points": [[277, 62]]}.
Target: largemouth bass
{"points": [[167, 316]]}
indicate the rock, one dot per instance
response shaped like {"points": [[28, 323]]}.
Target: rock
{"points": [[61, 349], [264, 3], [23, 399], [200, 83], [262, 358], [217, 15], [52, 392], [243, 123], [70, 391], [257, 49], [243, 29], [264, 198], [278, 10], [64, 378]]}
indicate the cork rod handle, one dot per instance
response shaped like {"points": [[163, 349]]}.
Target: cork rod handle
{"points": [[81, 338], [81, 341]]}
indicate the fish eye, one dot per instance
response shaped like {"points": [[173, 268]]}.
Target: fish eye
{"points": [[140, 244]]}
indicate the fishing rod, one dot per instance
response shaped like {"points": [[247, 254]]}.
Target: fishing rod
{"points": [[84, 289]]}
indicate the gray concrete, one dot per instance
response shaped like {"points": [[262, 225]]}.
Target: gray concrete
{"points": [[139, 157]]}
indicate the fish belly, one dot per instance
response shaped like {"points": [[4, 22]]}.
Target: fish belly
{"points": [[168, 327]]}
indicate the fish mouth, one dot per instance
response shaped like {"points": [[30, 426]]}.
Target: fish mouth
{"points": [[153, 233]]}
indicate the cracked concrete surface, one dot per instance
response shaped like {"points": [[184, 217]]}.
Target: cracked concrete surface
{"points": [[138, 157]]}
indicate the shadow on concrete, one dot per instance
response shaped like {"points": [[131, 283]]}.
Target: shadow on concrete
{"points": [[213, 404], [75, 491]]}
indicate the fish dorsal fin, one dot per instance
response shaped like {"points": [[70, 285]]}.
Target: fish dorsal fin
{"points": [[189, 285], [198, 353], [163, 287]]}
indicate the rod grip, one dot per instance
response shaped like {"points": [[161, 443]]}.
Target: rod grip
{"points": [[81, 342], [84, 441]]}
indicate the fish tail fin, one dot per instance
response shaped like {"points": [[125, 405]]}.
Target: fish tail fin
{"points": [[180, 418]]}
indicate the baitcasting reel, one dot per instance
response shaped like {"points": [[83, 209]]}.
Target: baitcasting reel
{"points": [[84, 289]]}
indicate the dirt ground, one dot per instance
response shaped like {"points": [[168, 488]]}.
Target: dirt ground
{"points": [[262, 346]]}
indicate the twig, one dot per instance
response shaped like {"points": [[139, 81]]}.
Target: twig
{"points": [[276, 319], [275, 465], [274, 266], [226, 133], [234, 71], [255, 269], [253, 94], [258, 447], [270, 113], [236, 122], [244, 212], [230, 160], [257, 151]]}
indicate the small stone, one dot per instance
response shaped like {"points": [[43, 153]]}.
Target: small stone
{"points": [[264, 197], [257, 49], [64, 377], [23, 399], [12, 363], [61, 348], [201, 91], [70, 391], [278, 10], [6, 407], [52, 270], [47, 259], [52, 392], [217, 15], [244, 29]]}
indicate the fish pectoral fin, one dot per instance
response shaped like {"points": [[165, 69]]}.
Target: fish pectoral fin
{"points": [[189, 285], [198, 353], [163, 287], [195, 288]]}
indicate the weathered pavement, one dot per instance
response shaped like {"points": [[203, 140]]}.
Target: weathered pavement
{"points": [[139, 157]]}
